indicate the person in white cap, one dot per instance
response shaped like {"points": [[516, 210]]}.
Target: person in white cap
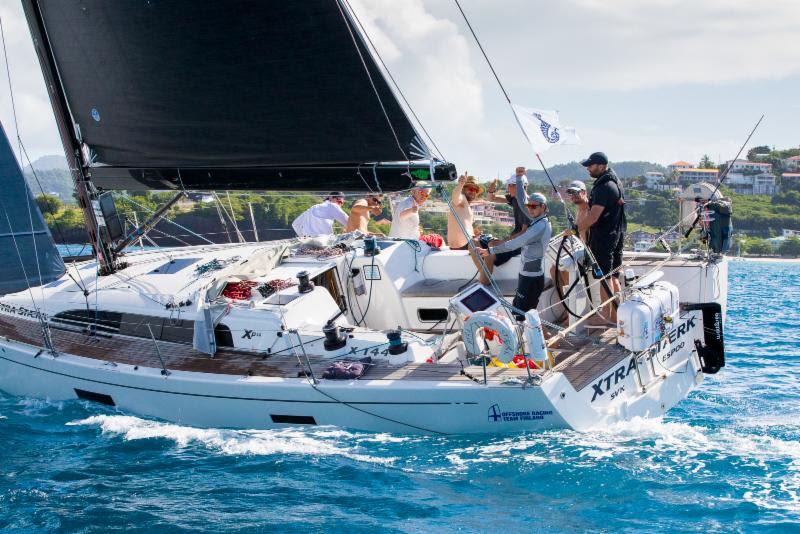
{"points": [[576, 191], [405, 215], [521, 219], [533, 243], [319, 218]]}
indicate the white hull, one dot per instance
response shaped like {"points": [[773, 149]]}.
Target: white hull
{"points": [[407, 406]]}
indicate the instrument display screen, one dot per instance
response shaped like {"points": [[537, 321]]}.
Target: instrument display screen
{"points": [[478, 300]]}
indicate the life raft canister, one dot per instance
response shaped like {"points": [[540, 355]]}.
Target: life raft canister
{"points": [[500, 324]]}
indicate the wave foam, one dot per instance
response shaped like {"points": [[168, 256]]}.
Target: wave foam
{"points": [[237, 442]]}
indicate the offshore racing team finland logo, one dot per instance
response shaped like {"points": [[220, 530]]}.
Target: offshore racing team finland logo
{"points": [[495, 415], [550, 133]]}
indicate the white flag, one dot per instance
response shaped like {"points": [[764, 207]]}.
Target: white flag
{"points": [[543, 128]]}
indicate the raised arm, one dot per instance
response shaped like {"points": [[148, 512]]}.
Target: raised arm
{"points": [[522, 198], [492, 196], [457, 197], [532, 233]]}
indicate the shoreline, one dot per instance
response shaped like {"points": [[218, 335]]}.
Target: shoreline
{"points": [[766, 259]]}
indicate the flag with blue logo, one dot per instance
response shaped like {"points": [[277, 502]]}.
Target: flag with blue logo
{"points": [[543, 128]]}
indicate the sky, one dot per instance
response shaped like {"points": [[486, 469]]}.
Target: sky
{"points": [[656, 80]]}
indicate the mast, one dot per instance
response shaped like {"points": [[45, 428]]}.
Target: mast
{"points": [[71, 139]]}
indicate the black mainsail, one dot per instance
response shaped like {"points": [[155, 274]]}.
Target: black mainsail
{"points": [[30, 257], [240, 94]]}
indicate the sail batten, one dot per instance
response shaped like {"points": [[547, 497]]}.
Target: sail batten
{"points": [[226, 85]]}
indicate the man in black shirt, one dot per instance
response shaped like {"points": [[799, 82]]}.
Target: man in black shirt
{"points": [[606, 223]]}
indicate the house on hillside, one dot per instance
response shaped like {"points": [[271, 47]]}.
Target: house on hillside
{"points": [[691, 176], [653, 178], [751, 178], [792, 163], [788, 178], [754, 167], [678, 165]]}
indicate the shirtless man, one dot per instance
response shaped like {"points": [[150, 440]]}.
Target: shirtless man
{"points": [[464, 193], [576, 191], [361, 211]]}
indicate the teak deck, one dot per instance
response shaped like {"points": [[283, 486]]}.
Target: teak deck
{"points": [[579, 368]]}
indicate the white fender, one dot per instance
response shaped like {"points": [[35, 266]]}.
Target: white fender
{"points": [[534, 336], [501, 324]]}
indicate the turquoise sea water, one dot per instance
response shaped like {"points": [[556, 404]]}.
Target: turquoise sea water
{"points": [[726, 459]]}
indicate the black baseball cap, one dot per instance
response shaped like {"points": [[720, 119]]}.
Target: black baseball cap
{"points": [[336, 194], [597, 157]]}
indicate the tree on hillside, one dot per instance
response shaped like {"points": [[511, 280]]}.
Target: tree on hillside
{"points": [[49, 204], [706, 163], [759, 247], [791, 198], [790, 247], [752, 154]]}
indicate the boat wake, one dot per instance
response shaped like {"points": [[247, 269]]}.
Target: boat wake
{"points": [[322, 442]]}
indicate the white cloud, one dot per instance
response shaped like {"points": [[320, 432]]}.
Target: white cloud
{"points": [[634, 44], [572, 55], [37, 126], [430, 61]]}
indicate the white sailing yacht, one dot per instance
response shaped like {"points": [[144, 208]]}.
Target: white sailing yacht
{"points": [[380, 335]]}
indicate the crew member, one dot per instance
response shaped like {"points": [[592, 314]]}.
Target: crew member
{"points": [[319, 218], [606, 224], [533, 243], [405, 216], [521, 221], [576, 192], [465, 192], [360, 213]]}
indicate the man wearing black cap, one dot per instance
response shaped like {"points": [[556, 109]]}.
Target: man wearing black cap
{"points": [[606, 222]]}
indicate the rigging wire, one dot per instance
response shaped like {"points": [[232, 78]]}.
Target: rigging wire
{"points": [[36, 177], [164, 217], [28, 198], [10, 87], [371, 81], [394, 82]]}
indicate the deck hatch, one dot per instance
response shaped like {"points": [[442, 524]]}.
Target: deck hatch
{"points": [[293, 419], [102, 398]]}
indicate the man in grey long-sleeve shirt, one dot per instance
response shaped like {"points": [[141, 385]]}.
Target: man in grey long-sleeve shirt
{"points": [[533, 243]]}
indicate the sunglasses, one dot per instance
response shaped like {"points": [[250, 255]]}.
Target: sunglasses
{"points": [[573, 191], [534, 206]]}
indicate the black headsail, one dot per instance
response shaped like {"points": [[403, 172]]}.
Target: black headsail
{"points": [[30, 257], [240, 94]]}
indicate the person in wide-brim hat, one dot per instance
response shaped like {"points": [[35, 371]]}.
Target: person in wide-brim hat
{"points": [[465, 193]]}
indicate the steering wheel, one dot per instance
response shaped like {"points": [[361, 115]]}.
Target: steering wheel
{"points": [[566, 247]]}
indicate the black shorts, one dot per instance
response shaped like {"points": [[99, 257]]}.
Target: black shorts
{"points": [[607, 250], [502, 257], [529, 289]]}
